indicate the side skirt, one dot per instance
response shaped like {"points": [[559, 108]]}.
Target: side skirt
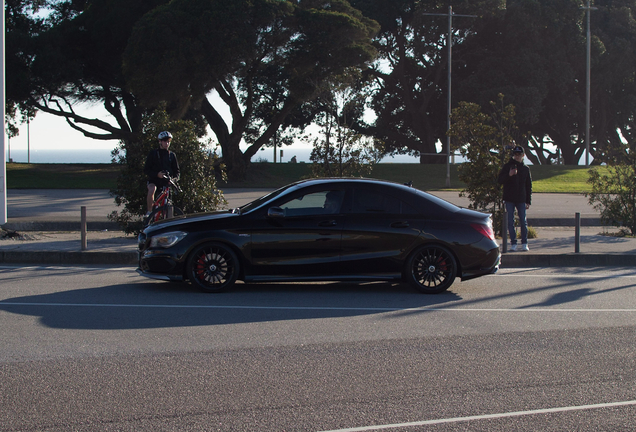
{"points": [[325, 278]]}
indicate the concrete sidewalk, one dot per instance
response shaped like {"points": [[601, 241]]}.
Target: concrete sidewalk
{"points": [[48, 223]]}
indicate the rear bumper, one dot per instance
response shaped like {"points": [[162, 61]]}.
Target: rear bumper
{"points": [[489, 266]]}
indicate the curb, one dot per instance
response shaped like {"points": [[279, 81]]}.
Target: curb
{"points": [[65, 258], [61, 226], [521, 259]]}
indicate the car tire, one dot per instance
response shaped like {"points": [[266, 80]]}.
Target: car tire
{"points": [[213, 267], [431, 269]]}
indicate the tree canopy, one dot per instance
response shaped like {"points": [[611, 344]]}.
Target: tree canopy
{"points": [[74, 56], [268, 61], [411, 86], [535, 54], [264, 58]]}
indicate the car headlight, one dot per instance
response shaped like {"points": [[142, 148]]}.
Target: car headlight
{"points": [[168, 239]]}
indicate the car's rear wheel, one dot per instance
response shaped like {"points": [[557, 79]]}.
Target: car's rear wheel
{"points": [[431, 269], [213, 267]]}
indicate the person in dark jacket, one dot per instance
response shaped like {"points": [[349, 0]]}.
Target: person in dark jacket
{"points": [[159, 163], [517, 194]]}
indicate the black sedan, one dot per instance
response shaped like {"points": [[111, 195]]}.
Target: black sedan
{"points": [[325, 230]]}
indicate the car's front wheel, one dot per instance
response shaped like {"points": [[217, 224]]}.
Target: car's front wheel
{"points": [[431, 269], [213, 267]]}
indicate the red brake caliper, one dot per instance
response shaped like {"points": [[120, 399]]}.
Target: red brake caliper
{"points": [[200, 267]]}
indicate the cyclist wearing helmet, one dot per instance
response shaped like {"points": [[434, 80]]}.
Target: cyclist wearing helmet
{"points": [[158, 163]]}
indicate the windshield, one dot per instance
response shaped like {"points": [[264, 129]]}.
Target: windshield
{"points": [[262, 200]]}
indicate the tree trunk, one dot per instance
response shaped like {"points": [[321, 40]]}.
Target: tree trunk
{"points": [[568, 151]]}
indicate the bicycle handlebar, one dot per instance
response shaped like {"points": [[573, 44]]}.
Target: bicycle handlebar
{"points": [[172, 182]]}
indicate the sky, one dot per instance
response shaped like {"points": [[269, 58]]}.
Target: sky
{"points": [[48, 132]]}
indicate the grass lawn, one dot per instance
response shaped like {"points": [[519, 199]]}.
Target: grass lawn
{"points": [[546, 178], [61, 176]]}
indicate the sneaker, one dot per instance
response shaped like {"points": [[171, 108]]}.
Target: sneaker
{"points": [[524, 247], [513, 247]]}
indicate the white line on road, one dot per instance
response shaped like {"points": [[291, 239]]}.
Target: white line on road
{"points": [[487, 416], [310, 308], [517, 272], [591, 276]]}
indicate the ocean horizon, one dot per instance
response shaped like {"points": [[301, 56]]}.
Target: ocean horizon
{"points": [[103, 156]]}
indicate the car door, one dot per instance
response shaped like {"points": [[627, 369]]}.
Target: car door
{"points": [[299, 236], [380, 229]]}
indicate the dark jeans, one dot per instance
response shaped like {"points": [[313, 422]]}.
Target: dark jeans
{"points": [[521, 210]]}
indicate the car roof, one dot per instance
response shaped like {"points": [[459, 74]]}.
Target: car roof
{"points": [[406, 189], [346, 180]]}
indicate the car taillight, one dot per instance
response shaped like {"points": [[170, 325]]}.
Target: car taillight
{"points": [[485, 230]]}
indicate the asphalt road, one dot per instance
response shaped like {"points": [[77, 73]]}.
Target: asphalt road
{"points": [[527, 349]]}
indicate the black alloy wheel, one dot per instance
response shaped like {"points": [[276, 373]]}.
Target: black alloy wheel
{"points": [[213, 267], [431, 269]]}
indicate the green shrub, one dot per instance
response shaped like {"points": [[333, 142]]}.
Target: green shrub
{"points": [[614, 194], [199, 166]]}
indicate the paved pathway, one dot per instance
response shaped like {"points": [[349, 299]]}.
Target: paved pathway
{"points": [[39, 205]]}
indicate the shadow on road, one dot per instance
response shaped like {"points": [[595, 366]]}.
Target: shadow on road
{"points": [[162, 305]]}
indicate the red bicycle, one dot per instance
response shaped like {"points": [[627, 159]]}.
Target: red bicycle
{"points": [[163, 208]]}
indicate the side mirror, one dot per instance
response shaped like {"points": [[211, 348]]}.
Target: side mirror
{"points": [[275, 212]]}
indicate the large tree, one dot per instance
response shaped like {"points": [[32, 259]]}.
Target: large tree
{"points": [[73, 56], [21, 24], [264, 58], [535, 54], [411, 74], [614, 78]]}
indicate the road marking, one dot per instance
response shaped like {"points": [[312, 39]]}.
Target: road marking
{"points": [[312, 308], [506, 272], [595, 275], [487, 416]]}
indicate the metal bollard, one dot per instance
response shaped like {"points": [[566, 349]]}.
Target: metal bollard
{"points": [[83, 227], [577, 232], [504, 233]]}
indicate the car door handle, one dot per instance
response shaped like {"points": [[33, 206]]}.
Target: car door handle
{"points": [[327, 223], [401, 224]]}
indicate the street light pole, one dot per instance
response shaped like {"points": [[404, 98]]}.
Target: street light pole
{"points": [[449, 45], [448, 96], [3, 167], [587, 84]]}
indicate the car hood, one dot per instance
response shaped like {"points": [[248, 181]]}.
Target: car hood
{"points": [[182, 221]]}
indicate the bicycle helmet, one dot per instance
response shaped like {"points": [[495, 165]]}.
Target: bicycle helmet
{"points": [[165, 134]]}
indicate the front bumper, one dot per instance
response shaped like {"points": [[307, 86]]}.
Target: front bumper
{"points": [[158, 263], [159, 276]]}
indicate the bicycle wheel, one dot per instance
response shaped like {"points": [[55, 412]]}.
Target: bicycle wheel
{"points": [[161, 213]]}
